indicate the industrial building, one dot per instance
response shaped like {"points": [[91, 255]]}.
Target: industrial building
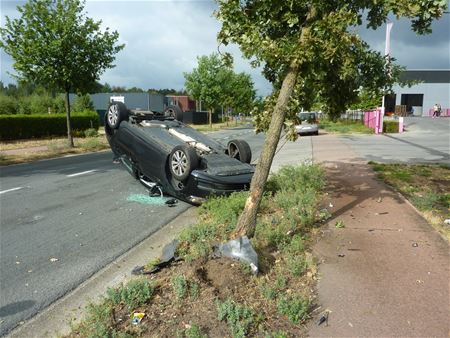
{"points": [[432, 87]]}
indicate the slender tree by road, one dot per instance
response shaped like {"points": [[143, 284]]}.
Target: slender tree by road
{"points": [[308, 47]]}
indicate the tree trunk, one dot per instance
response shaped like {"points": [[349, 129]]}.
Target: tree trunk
{"points": [[247, 221], [69, 127], [210, 118]]}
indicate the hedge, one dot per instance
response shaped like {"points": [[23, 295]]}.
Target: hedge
{"points": [[15, 127], [390, 126]]}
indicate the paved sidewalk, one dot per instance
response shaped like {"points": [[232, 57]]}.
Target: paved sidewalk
{"points": [[387, 272]]}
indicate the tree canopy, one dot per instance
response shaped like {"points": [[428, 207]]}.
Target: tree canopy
{"points": [[55, 45], [309, 48]]}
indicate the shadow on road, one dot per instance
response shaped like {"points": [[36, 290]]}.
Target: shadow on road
{"points": [[13, 308]]}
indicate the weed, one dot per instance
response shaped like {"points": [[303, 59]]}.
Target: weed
{"points": [[91, 132], [92, 144], [268, 292], [180, 286], [136, 293], [194, 290], [297, 265], [195, 241], [281, 282], [295, 308], [278, 334], [425, 202], [340, 224], [225, 210], [193, 332], [238, 318]]}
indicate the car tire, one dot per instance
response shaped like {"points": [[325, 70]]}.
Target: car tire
{"points": [[175, 112], [182, 160], [117, 112], [316, 133], [240, 150]]}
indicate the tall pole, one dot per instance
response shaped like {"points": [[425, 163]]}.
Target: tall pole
{"points": [[387, 51]]}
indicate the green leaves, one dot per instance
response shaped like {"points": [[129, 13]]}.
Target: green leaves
{"points": [[54, 44]]}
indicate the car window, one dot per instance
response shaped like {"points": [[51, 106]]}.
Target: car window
{"points": [[307, 117]]}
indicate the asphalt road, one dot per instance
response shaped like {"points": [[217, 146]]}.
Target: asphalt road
{"points": [[426, 140], [64, 219]]}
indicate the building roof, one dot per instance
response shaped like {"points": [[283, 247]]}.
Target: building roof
{"points": [[427, 75]]}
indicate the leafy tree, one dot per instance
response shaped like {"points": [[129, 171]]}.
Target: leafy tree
{"points": [[205, 83], [82, 102], [310, 47], [55, 45]]}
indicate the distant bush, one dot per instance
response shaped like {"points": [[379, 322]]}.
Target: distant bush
{"points": [[8, 105], [20, 126], [82, 103], [390, 126]]}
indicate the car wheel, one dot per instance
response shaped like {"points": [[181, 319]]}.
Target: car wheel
{"points": [[240, 150], [316, 133], [175, 112], [117, 112], [182, 160]]}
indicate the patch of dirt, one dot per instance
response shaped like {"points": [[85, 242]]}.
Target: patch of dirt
{"points": [[218, 279]]}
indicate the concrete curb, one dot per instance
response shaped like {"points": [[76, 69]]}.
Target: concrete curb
{"points": [[55, 320]]}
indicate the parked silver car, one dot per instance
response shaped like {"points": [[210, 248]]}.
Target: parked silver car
{"points": [[309, 123]]}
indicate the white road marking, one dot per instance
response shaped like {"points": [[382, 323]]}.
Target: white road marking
{"points": [[82, 173], [9, 190]]}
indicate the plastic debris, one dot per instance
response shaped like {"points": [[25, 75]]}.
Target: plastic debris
{"points": [[167, 257], [323, 319], [415, 245], [240, 249], [171, 202], [53, 260], [379, 200], [156, 191], [341, 255], [447, 221], [137, 317]]}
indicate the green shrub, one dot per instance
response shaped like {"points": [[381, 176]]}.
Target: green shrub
{"points": [[82, 103], [8, 105], [136, 293], [193, 332], [295, 308], [238, 318], [180, 286], [19, 126], [91, 132], [390, 126]]}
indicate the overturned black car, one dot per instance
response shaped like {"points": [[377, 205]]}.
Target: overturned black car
{"points": [[162, 152]]}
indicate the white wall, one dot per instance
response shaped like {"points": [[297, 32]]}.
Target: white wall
{"points": [[432, 93]]}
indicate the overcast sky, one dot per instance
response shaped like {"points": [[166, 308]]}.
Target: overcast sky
{"points": [[164, 38]]}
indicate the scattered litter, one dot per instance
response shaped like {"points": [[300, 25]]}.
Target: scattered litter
{"points": [[171, 202], [415, 245], [53, 259], [144, 199], [323, 319], [370, 230], [419, 281], [17, 262], [340, 224], [331, 205], [379, 200], [167, 257], [241, 249], [341, 255], [80, 213], [447, 221], [350, 324], [29, 271], [381, 213], [351, 249], [137, 317]]}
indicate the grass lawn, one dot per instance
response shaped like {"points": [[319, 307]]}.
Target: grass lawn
{"points": [[218, 126], [345, 127], [427, 187], [203, 296]]}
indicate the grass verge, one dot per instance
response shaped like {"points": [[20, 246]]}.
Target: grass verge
{"points": [[345, 127], [31, 150], [427, 187], [219, 126], [203, 296]]}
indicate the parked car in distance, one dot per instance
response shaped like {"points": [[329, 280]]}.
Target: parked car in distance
{"points": [[162, 152], [309, 123]]}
